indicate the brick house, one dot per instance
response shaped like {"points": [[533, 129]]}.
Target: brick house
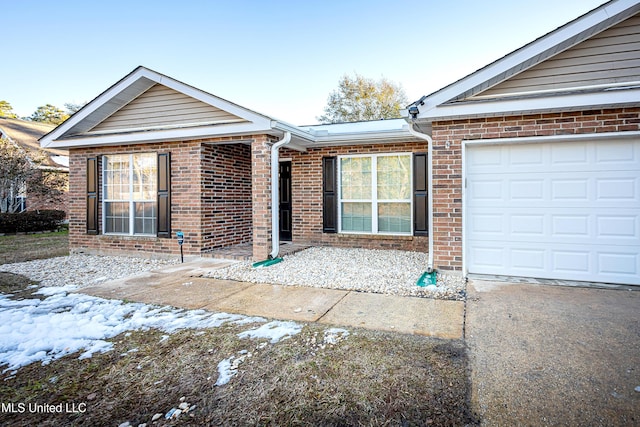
{"points": [[529, 166], [24, 135]]}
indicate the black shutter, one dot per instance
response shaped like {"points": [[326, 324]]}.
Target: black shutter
{"points": [[420, 195], [164, 196], [92, 195], [329, 195]]}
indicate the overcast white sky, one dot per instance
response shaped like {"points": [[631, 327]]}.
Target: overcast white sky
{"points": [[280, 58]]}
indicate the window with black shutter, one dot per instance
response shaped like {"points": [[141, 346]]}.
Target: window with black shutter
{"points": [[420, 195], [329, 195], [164, 195], [92, 195]]}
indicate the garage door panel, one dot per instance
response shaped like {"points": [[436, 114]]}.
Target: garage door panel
{"points": [[619, 263], [620, 153], [618, 189], [570, 261], [544, 225], [612, 189], [608, 264], [526, 225], [567, 226], [567, 156], [532, 260], [566, 210], [619, 228]]}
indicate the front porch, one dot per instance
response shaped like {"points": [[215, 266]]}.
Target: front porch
{"points": [[244, 251]]}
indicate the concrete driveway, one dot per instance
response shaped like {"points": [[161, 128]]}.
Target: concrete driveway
{"points": [[551, 355]]}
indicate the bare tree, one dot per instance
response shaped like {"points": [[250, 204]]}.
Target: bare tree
{"points": [[21, 174]]}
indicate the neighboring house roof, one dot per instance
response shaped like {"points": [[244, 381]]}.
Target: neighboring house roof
{"points": [[605, 73], [146, 106], [25, 134]]}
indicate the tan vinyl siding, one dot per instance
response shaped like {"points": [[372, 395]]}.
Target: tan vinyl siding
{"points": [[161, 106], [610, 57]]}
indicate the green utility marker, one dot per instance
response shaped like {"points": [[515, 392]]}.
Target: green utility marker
{"points": [[427, 279], [266, 263]]}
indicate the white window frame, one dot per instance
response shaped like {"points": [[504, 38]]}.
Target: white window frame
{"points": [[130, 200], [374, 197]]}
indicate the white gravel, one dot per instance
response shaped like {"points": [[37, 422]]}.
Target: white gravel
{"points": [[77, 271], [380, 271]]}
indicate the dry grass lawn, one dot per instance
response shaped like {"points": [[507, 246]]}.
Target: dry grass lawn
{"points": [[27, 247], [368, 379]]}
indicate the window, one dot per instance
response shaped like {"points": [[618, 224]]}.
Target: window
{"points": [[129, 205], [375, 194]]}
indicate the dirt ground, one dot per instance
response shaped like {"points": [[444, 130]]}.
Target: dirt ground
{"points": [[553, 355]]}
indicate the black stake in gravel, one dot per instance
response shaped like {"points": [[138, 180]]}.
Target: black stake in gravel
{"points": [[180, 236]]}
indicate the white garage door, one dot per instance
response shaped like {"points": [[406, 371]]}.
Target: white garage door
{"points": [[561, 210]]}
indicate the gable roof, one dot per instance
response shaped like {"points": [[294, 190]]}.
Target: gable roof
{"points": [[461, 98], [25, 134], [89, 125], [146, 106]]}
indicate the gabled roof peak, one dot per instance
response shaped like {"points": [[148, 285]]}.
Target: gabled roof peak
{"points": [[539, 50]]}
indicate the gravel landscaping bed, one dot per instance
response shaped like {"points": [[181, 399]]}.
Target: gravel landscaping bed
{"points": [[380, 271], [82, 270]]}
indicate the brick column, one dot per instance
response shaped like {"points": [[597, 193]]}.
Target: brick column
{"points": [[447, 201], [261, 196]]}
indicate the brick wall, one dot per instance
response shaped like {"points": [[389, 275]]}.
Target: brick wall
{"points": [[201, 215], [306, 171], [226, 195], [447, 162]]}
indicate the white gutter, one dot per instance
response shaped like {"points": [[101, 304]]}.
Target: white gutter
{"points": [[275, 192], [430, 185]]}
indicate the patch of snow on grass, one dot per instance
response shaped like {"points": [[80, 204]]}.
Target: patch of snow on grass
{"points": [[275, 331], [225, 372], [334, 335], [45, 330]]}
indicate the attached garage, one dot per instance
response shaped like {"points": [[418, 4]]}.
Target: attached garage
{"points": [[554, 208]]}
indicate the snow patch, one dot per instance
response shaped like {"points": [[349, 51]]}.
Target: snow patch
{"points": [[225, 372], [275, 331], [334, 335], [35, 330]]}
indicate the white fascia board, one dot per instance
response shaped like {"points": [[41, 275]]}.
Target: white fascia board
{"points": [[294, 130], [363, 138], [575, 101], [159, 135], [524, 54]]}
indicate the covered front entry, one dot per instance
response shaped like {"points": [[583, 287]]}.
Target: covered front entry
{"points": [[559, 210]]}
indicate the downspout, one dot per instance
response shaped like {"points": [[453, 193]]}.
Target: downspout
{"points": [[430, 184], [275, 192]]}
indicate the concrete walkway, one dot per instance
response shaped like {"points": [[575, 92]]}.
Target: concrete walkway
{"points": [[180, 286]]}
